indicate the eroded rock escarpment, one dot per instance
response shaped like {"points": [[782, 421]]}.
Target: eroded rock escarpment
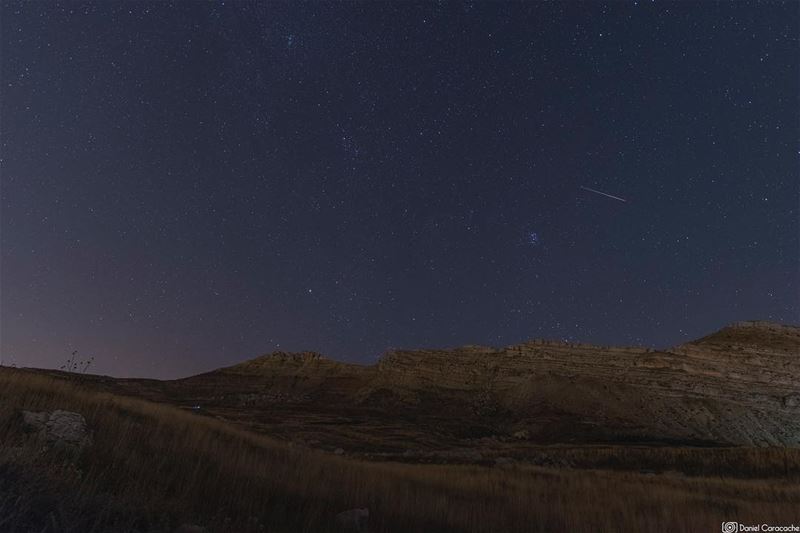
{"points": [[739, 386]]}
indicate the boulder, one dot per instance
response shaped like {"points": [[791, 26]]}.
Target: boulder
{"points": [[59, 428]]}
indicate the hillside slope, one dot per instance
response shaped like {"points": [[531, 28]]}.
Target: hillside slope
{"points": [[738, 386], [152, 468]]}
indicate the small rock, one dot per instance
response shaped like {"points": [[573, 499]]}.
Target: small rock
{"points": [[338, 451], [521, 434], [792, 400], [354, 519]]}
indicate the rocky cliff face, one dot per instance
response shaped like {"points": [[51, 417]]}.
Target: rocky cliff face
{"points": [[739, 386]]}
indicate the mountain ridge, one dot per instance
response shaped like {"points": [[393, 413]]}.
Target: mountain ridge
{"points": [[307, 355], [736, 386]]}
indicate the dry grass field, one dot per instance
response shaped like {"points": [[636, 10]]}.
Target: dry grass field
{"points": [[153, 467]]}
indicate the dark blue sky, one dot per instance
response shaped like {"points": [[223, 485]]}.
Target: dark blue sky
{"points": [[187, 185]]}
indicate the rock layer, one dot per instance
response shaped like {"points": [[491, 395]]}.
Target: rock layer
{"points": [[738, 386]]}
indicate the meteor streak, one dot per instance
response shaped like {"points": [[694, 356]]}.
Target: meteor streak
{"points": [[604, 194]]}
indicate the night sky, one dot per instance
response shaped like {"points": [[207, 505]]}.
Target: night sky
{"points": [[188, 185]]}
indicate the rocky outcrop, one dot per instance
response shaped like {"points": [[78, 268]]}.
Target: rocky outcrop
{"points": [[287, 362], [738, 386]]}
